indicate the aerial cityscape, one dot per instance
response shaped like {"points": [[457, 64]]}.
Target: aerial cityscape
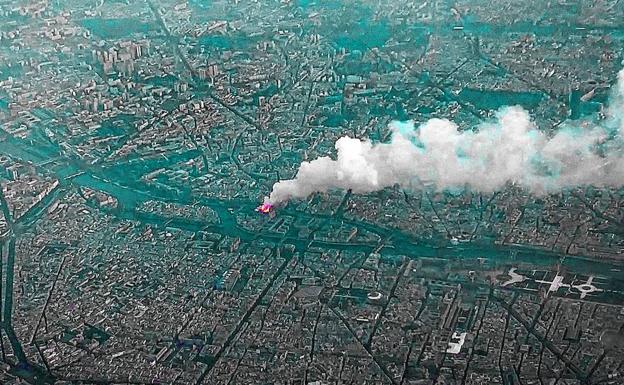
{"points": [[322, 192]]}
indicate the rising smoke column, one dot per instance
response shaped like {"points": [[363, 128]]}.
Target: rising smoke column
{"points": [[509, 149]]}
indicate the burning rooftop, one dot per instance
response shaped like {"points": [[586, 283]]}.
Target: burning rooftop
{"points": [[264, 208]]}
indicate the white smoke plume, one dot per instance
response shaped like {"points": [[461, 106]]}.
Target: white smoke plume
{"points": [[509, 149]]}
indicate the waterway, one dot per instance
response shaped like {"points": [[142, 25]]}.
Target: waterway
{"points": [[131, 195]]}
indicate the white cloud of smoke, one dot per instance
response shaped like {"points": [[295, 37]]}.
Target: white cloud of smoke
{"points": [[509, 149]]}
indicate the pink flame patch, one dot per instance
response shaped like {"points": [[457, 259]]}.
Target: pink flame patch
{"points": [[264, 208]]}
